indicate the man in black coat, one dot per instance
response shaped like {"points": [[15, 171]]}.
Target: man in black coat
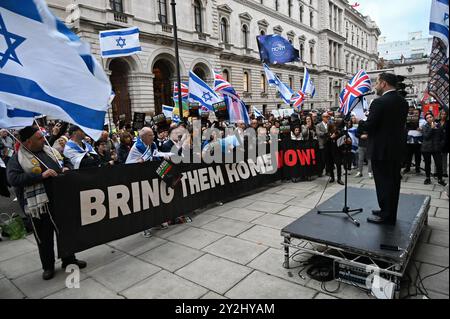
{"points": [[387, 146]]}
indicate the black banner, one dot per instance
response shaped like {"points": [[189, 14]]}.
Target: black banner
{"points": [[298, 158], [138, 120], [95, 206]]}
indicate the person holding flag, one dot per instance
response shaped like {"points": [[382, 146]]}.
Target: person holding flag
{"points": [[27, 170]]}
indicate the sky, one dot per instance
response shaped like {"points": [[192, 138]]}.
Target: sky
{"points": [[396, 18]]}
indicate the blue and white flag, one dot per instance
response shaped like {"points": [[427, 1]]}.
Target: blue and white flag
{"points": [[75, 153], [168, 113], [308, 85], [12, 118], [257, 113], [274, 49], [439, 18], [45, 68], [200, 92], [120, 42], [273, 80]]}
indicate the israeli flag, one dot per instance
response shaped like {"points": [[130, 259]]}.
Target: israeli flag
{"points": [[46, 69], [120, 42], [257, 113], [439, 21], [11, 118], [167, 111], [273, 80], [308, 85], [200, 92]]}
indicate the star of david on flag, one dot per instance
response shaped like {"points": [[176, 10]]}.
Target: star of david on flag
{"points": [[120, 42], [12, 42], [357, 86], [46, 69], [200, 92]]}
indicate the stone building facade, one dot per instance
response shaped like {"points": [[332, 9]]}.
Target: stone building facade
{"points": [[334, 42]]}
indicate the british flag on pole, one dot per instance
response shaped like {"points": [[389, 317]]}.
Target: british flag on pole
{"points": [[223, 86], [298, 100], [357, 86], [184, 91]]}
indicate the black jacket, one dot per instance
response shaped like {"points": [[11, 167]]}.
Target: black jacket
{"points": [[433, 138], [361, 130], [122, 153], [19, 179], [386, 126]]}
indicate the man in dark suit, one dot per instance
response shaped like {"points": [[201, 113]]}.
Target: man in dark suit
{"points": [[387, 146]]}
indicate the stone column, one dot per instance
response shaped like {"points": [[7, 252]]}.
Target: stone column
{"points": [[141, 92]]}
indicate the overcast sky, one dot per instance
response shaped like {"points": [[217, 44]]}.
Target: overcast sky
{"points": [[396, 18]]}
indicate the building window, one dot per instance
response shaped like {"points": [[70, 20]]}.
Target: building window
{"points": [[290, 8], [330, 87], [162, 16], [276, 5], [346, 64], [311, 54], [226, 75], [302, 51], [198, 16], [245, 35], [330, 14], [262, 32], [263, 83], [301, 13], [224, 30], [311, 19], [116, 5], [291, 82], [246, 81], [367, 66]]}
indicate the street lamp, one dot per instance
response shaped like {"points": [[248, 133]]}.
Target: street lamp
{"points": [[177, 57]]}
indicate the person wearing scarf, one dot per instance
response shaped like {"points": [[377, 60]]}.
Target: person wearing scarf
{"points": [[144, 149], [80, 153], [26, 172]]}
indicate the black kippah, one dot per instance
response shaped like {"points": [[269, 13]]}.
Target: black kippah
{"points": [[390, 78], [27, 132]]}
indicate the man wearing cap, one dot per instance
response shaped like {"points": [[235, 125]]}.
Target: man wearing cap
{"points": [[80, 153], [323, 137], [26, 172], [386, 126]]}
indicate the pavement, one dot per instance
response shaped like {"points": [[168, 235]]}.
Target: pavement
{"points": [[228, 251]]}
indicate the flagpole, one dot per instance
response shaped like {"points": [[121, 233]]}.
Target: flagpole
{"points": [[177, 58]]}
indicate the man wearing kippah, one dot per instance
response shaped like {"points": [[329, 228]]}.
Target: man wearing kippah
{"points": [[386, 126], [26, 172]]}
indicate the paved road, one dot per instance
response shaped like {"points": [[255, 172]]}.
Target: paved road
{"points": [[229, 251]]}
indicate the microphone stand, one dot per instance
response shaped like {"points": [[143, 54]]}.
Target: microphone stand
{"points": [[346, 210]]}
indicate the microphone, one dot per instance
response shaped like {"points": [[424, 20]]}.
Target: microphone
{"points": [[368, 93]]}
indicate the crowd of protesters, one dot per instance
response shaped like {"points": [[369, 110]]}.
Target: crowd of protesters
{"points": [[342, 143]]}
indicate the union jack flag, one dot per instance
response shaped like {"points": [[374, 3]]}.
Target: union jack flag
{"points": [[297, 100], [184, 91], [357, 86], [223, 86]]}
